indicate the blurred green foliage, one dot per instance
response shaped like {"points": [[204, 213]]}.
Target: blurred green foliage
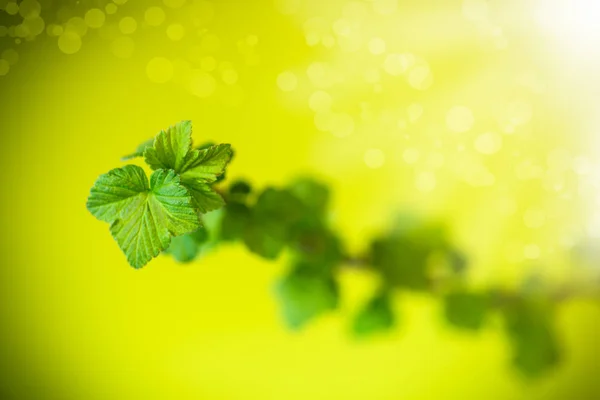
{"points": [[410, 256]]}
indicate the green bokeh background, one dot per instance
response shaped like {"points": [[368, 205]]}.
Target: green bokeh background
{"points": [[79, 323]]}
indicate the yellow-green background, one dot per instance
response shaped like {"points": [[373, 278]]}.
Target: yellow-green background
{"points": [[79, 323]]}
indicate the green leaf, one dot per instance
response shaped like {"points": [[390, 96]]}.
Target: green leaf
{"points": [[186, 248], [304, 295], [314, 195], [235, 220], [273, 217], [143, 216], [402, 261], [239, 191], [207, 164], [530, 329], [466, 310], [376, 316], [139, 152], [403, 255], [205, 198], [171, 147]]}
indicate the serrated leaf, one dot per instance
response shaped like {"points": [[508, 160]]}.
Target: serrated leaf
{"points": [[171, 147], [115, 190], [143, 216], [305, 295], [376, 316], [205, 198], [206, 164], [139, 151], [466, 310]]}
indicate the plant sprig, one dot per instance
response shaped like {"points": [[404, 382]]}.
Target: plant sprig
{"points": [[145, 216], [179, 213]]}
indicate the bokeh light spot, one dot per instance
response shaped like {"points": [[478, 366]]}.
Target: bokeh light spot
{"points": [[377, 46], [320, 101], [30, 9], [175, 32], [76, 25], [202, 84], [154, 16], [111, 8], [11, 56], [531, 252], [12, 8], [69, 42], [411, 155], [229, 76], [127, 25], [94, 18], [460, 119], [425, 181], [287, 81], [374, 158], [488, 143], [159, 70]]}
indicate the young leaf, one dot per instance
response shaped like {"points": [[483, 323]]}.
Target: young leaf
{"points": [[376, 316], [304, 295], [206, 164], [171, 147], [143, 216], [205, 198]]}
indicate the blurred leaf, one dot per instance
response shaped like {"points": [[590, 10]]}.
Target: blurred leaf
{"points": [[304, 294], [187, 247], [402, 257], [273, 216], [458, 261], [139, 151], [267, 239], [314, 195], [235, 221], [401, 261], [376, 316], [466, 310], [238, 191], [530, 330], [317, 244]]}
